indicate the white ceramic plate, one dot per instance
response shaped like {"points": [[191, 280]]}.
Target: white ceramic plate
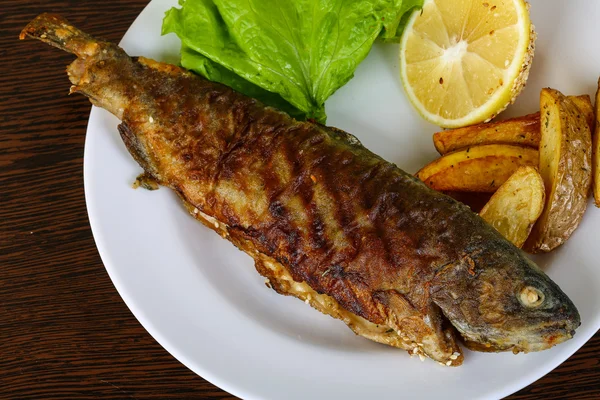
{"points": [[203, 301]]}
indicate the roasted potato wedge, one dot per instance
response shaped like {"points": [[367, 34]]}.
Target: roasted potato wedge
{"points": [[596, 150], [522, 131], [516, 205], [584, 104], [477, 169], [566, 168]]}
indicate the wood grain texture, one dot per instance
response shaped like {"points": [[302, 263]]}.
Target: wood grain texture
{"points": [[64, 330]]}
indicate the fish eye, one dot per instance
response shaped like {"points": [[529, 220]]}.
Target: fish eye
{"points": [[531, 297]]}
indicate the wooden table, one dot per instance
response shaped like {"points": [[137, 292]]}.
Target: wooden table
{"points": [[64, 330]]}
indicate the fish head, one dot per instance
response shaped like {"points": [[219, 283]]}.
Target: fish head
{"points": [[499, 300]]}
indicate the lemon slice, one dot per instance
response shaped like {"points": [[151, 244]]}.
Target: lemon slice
{"points": [[464, 61]]}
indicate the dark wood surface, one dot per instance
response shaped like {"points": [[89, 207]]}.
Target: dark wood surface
{"points": [[64, 330]]}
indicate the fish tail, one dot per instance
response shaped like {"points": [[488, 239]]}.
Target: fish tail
{"points": [[58, 32], [100, 67]]}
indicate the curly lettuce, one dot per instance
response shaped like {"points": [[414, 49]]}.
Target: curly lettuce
{"points": [[289, 54]]}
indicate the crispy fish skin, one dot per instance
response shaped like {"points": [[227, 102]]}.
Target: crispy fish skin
{"points": [[373, 245]]}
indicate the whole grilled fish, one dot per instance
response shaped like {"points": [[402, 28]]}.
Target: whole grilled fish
{"points": [[325, 219]]}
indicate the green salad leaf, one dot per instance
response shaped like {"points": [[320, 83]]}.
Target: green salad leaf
{"points": [[290, 54], [202, 65]]}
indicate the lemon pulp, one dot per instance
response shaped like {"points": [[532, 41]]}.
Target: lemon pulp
{"points": [[464, 61]]}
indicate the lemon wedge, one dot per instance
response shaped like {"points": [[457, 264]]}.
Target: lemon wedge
{"points": [[464, 61]]}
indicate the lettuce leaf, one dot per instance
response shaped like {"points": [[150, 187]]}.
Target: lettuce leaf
{"points": [[393, 31], [289, 54], [202, 65]]}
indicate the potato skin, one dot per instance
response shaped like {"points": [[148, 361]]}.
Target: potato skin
{"points": [[584, 103], [565, 166]]}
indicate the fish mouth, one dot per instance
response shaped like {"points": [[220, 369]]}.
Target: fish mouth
{"points": [[524, 340]]}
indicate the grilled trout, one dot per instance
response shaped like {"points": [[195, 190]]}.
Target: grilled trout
{"points": [[325, 219]]}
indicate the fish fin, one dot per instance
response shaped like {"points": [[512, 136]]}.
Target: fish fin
{"points": [[137, 150], [93, 73], [145, 181], [348, 137], [58, 32], [424, 328]]}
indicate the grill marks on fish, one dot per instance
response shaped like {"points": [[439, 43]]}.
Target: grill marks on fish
{"points": [[303, 210]]}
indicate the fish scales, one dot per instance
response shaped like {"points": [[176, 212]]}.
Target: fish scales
{"points": [[325, 219]]}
